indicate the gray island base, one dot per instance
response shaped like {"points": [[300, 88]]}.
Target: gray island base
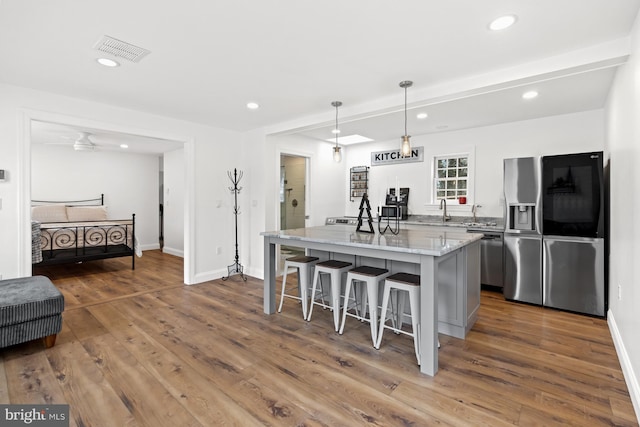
{"points": [[448, 262]]}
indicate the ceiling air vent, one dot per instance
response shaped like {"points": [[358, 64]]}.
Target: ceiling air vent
{"points": [[121, 49]]}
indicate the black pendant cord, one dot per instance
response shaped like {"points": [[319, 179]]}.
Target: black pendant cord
{"points": [[405, 110], [236, 267]]}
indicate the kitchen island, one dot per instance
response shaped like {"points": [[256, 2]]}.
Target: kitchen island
{"points": [[448, 263]]}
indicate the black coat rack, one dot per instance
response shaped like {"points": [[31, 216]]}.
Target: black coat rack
{"points": [[236, 267]]}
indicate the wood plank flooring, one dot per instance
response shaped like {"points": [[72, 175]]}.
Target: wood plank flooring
{"points": [[138, 348]]}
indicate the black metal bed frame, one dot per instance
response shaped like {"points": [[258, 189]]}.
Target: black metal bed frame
{"points": [[78, 243]]}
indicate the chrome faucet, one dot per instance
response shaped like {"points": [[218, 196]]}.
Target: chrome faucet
{"points": [[445, 217], [474, 209]]}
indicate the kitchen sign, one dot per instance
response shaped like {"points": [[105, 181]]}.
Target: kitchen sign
{"points": [[394, 156]]}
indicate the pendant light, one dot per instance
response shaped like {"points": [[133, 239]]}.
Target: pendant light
{"points": [[406, 144], [337, 156]]}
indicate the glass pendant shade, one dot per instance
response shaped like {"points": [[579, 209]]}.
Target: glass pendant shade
{"points": [[337, 155], [406, 146], [405, 150]]}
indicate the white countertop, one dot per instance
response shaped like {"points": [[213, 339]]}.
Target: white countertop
{"points": [[430, 241]]}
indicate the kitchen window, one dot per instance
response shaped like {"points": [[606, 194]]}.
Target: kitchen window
{"points": [[451, 180]]}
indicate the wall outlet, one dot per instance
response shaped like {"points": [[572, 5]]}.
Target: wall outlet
{"points": [[619, 291], [218, 250]]}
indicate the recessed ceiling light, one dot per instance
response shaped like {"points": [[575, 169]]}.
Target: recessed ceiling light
{"points": [[335, 131], [530, 95], [124, 146], [252, 105], [351, 139], [502, 22], [422, 116], [107, 62]]}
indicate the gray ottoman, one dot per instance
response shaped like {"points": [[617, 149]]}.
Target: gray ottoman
{"points": [[30, 308]]}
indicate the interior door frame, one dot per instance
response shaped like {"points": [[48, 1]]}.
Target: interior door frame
{"points": [[307, 182], [26, 116], [306, 188]]}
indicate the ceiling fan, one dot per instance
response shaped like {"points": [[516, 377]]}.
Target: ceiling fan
{"points": [[82, 143]]}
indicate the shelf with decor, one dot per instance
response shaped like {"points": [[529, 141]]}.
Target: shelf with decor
{"points": [[359, 181]]}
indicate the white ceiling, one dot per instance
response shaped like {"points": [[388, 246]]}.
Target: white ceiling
{"points": [[293, 57], [64, 136]]}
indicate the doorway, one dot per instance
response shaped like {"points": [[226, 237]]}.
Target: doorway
{"points": [[293, 198], [31, 124]]}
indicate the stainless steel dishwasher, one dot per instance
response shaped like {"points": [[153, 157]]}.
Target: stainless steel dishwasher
{"points": [[491, 257]]}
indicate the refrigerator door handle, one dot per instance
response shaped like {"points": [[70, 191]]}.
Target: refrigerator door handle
{"points": [[571, 238]]}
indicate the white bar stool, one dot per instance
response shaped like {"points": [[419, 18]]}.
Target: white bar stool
{"points": [[302, 264], [372, 277], [411, 284], [335, 269]]}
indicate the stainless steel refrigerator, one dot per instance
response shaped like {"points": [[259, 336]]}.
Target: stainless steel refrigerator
{"points": [[573, 227], [523, 230], [554, 232]]}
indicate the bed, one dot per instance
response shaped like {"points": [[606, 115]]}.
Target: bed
{"points": [[74, 231]]}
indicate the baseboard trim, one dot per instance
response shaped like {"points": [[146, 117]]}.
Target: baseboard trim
{"points": [[210, 275], [254, 272], [149, 247], [627, 368], [172, 251]]}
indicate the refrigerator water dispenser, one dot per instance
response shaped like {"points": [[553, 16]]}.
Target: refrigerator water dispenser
{"points": [[522, 217]]}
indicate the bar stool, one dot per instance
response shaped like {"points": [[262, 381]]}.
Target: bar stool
{"points": [[372, 277], [335, 269], [302, 264], [408, 283]]}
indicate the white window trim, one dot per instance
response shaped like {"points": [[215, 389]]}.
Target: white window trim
{"points": [[453, 205]]}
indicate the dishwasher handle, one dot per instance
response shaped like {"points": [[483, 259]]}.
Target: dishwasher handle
{"points": [[491, 237], [487, 235]]}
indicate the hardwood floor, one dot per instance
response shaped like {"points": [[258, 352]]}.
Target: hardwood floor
{"points": [[139, 348]]}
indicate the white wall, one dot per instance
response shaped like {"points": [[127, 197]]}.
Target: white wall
{"points": [[569, 133], [208, 152], [259, 203], [174, 198], [623, 144], [327, 187], [128, 181]]}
